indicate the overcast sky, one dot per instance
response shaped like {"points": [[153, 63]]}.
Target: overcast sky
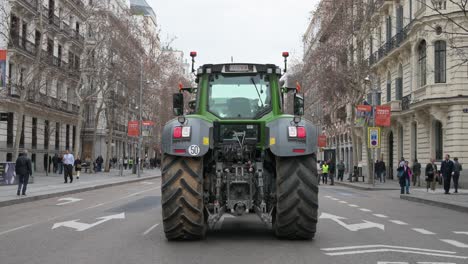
{"points": [[249, 30]]}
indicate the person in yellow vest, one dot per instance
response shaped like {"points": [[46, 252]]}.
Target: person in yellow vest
{"points": [[325, 170]]}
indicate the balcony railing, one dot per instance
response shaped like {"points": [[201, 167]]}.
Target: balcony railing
{"points": [[390, 45], [23, 44], [77, 36], [65, 29], [405, 102], [30, 3]]}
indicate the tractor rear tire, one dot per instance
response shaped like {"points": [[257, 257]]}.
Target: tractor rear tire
{"points": [[182, 198], [297, 197]]}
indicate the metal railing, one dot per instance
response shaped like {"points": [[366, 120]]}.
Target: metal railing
{"points": [[390, 45], [406, 102], [77, 36], [23, 44], [30, 3]]}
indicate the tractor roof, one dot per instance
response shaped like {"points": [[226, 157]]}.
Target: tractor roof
{"points": [[239, 68]]}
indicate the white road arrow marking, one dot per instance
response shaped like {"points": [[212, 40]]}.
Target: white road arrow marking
{"points": [[352, 227], [423, 231], [461, 232], [69, 200], [455, 243], [78, 226]]}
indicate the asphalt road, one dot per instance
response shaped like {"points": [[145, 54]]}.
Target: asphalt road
{"points": [[122, 224]]}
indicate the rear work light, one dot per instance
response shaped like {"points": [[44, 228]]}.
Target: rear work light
{"points": [[181, 132], [297, 132]]}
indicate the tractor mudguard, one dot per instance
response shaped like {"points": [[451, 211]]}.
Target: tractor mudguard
{"points": [[283, 146], [196, 145]]}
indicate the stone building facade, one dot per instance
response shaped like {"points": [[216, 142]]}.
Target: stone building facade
{"points": [[43, 41]]}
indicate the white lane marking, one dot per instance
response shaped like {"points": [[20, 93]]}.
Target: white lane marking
{"points": [[461, 232], [353, 205], [78, 226], [394, 250], [335, 199], [380, 215], [423, 231], [69, 199], [94, 206], [149, 229], [328, 196], [365, 210], [435, 263], [14, 229], [455, 243], [343, 202], [352, 227], [387, 246], [398, 222], [221, 220], [387, 262], [146, 182]]}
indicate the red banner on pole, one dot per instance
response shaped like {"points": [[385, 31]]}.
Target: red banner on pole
{"points": [[383, 115], [322, 141], [133, 129], [364, 108]]}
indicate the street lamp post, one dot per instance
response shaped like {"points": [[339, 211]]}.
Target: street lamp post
{"points": [[140, 122], [372, 161]]}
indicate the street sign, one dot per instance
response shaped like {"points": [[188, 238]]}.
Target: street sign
{"points": [[374, 137]]}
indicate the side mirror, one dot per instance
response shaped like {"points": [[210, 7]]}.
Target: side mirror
{"points": [[298, 105], [178, 104]]}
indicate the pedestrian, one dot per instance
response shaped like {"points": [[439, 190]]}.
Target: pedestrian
{"points": [[403, 177], [319, 170], [23, 170], [410, 176], [331, 173], [77, 167], [130, 163], [341, 169], [431, 173], [457, 167], [125, 162], [60, 164], [416, 173], [55, 160], [68, 161], [383, 171], [99, 162], [446, 168], [325, 170], [377, 169]]}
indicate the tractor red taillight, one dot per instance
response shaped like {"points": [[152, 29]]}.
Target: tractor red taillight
{"points": [[297, 132], [181, 132]]}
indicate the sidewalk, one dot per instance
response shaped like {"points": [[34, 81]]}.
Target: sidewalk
{"points": [[455, 201], [52, 186], [388, 185]]}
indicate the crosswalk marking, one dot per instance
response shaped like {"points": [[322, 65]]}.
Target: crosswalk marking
{"points": [[381, 215], [423, 231], [353, 205], [455, 243], [398, 222]]}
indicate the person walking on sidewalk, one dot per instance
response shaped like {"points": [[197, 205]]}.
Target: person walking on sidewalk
{"points": [[325, 170], [125, 163], [457, 167], [319, 170], [68, 161], [341, 169], [331, 172], [431, 172], [416, 173], [77, 167], [404, 178], [99, 162], [55, 161], [60, 164], [23, 170], [446, 168]]}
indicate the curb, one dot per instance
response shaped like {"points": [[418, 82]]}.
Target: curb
{"points": [[455, 207], [350, 185], [57, 194]]}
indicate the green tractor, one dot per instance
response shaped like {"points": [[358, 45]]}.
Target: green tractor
{"points": [[237, 152]]}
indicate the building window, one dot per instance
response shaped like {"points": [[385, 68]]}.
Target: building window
{"points": [[414, 140], [34, 133], [399, 84], [21, 143], [46, 134], [401, 141], [73, 139], [10, 122], [440, 61], [67, 137], [439, 140], [57, 136], [422, 63], [389, 87]]}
